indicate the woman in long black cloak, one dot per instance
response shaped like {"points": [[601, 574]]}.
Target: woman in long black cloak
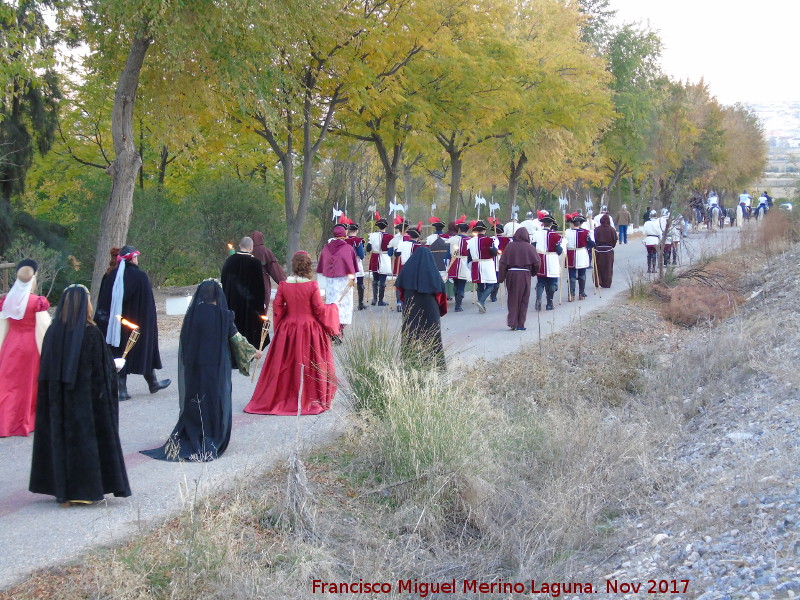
{"points": [[77, 455], [424, 303], [204, 379]]}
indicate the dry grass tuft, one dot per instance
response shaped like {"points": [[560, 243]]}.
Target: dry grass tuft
{"points": [[690, 305]]}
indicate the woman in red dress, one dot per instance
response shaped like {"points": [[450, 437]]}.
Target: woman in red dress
{"points": [[19, 352], [303, 326]]}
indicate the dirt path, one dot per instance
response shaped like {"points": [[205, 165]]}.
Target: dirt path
{"points": [[35, 533]]}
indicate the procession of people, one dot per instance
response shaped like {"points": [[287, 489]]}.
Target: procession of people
{"points": [[63, 383]]}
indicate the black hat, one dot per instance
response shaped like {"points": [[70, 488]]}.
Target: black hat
{"points": [[381, 223], [353, 227], [403, 224], [28, 262], [413, 232], [125, 250], [547, 221], [462, 226], [498, 229], [479, 226], [578, 219]]}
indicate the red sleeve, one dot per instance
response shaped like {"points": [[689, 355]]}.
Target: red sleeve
{"points": [[43, 304], [326, 314], [278, 306], [441, 299]]}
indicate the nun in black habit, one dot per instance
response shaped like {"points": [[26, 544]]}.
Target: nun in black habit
{"points": [[424, 301], [77, 455], [204, 379]]}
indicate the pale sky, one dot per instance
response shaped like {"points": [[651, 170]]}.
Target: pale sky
{"points": [[746, 51]]}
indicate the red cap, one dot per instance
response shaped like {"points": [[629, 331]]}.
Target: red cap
{"points": [[397, 220], [377, 216], [492, 220], [542, 214], [473, 223], [419, 226], [461, 219], [433, 220]]}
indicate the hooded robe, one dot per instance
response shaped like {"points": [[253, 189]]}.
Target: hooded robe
{"points": [[519, 262], [77, 453], [424, 303], [605, 238], [270, 267]]}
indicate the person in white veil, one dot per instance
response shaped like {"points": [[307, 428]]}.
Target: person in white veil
{"points": [[23, 321]]}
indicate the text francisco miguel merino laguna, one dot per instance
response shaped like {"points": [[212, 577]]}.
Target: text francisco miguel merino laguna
{"points": [[473, 586]]}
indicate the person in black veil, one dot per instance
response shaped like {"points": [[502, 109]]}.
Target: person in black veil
{"points": [[424, 301], [204, 378], [77, 455]]}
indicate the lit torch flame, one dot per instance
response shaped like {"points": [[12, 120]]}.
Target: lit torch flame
{"points": [[127, 323], [230, 246]]}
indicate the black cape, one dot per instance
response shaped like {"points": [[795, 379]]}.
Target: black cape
{"points": [[423, 289], [77, 453], [243, 285], [204, 380], [138, 307]]}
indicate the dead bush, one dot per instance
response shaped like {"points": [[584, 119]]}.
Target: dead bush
{"points": [[692, 304]]}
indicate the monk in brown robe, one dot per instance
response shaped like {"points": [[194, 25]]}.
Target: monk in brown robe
{"points": [[518, 263], [605, 238], [270, 267]]}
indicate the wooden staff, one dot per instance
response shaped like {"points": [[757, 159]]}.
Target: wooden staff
{"points": [[347, 288], [596, 273], [264, 334]]}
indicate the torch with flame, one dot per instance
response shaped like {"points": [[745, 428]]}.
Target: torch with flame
{"points": [[264, 334], [230, 249], [132, 338]]}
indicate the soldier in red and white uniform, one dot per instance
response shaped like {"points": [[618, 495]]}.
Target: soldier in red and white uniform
{"points": [[482, 253], [379, 262], [548, 245], [579, 243], [401, 228], [357, 242], [459, 270], [500, 241]]}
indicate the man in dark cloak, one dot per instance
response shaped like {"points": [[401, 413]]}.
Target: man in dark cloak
{"points": [[243, 284], [126, 291], [270, 267], [77, 455], [605, 238], [424, 303], [518, 263]]}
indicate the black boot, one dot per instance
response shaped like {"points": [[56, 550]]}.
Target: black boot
{"points": [[122, 383], [381, 292], [549, 301], [361, 305], [154, 384], [374, 292], [538, 303], [571, 296], [459, 300]]}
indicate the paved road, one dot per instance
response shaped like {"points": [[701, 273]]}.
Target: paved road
{"points": [[35, 532]]}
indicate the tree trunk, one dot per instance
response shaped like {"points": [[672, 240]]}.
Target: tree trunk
{"points": [[292, 225], [116, 217], [455, 184], [162, 166], [514, 178]]}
